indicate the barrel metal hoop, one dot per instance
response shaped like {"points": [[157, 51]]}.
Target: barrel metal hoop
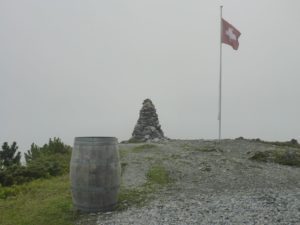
{"points": [[84, 144], [94, 189]]}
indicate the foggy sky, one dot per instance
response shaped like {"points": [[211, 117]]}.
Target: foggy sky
{"points": [[83, 68]]}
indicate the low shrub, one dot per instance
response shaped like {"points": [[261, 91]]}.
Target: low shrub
{"points": [[292, 143], [9, 156], [41, 162], [281, 156], [14, 175]]}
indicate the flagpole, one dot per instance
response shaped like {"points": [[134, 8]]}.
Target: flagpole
{"points": [[220, 82]]}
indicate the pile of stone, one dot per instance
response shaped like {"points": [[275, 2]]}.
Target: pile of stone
{"points": [[147, 127]]}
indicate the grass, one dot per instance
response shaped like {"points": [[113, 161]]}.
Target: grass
{"points": [[280, 156], [292, 143], [198, 149], [205, 149], [143, 147], [185, 146], [49, 202], [157, 177], [15, 190], [133, 197], [41, 202], [285, 143]]}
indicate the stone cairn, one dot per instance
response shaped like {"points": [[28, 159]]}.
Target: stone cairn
{"points": [[147, 127]]}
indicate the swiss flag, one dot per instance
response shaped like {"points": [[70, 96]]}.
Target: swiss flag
{"points": [[230, 35]]}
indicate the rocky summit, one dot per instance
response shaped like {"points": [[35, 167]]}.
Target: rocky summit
{"points": [[147, 127], [201, 182]]}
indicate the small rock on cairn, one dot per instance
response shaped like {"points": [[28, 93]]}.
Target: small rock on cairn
{"points": [[147, 127]]}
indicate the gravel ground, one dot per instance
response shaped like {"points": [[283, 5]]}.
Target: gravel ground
{"points": [[213, 184]]}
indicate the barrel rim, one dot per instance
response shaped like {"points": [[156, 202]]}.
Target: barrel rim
{"points": [[95, 139]]}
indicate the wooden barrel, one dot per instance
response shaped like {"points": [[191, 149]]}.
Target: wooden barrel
{"points": [[95, 173]]}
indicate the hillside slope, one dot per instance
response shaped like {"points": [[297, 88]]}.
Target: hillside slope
{"points": [[206, 184]]}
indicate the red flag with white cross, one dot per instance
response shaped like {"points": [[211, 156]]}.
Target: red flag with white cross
{"points": [[230, 35]]}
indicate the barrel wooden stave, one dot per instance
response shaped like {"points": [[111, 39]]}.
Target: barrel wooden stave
{"points": [[95, 173]]}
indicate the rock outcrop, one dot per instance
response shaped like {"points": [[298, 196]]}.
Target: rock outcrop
{"points": [[147, 127]]}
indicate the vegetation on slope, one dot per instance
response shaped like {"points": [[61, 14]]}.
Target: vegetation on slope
{"points": [[37, 193], [40, 202], [292, 143], [290, 157], [157, 177], [41, 162], [46, 199]]}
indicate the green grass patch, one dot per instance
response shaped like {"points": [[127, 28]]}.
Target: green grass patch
{"points": [[133, 197], [198, 149], [205, 149], [143, 147], [289, 157], [174, 156], [186, 147], [41, 202], [157, 177], [15, 190]]}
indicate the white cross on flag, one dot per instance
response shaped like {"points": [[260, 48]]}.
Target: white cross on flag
{"points": [[230, 35]]}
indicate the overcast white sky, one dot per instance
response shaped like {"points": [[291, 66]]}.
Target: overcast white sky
{"points": [[78, 68]]}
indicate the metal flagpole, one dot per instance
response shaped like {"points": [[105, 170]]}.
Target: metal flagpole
{"points": [[220, 82]]}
